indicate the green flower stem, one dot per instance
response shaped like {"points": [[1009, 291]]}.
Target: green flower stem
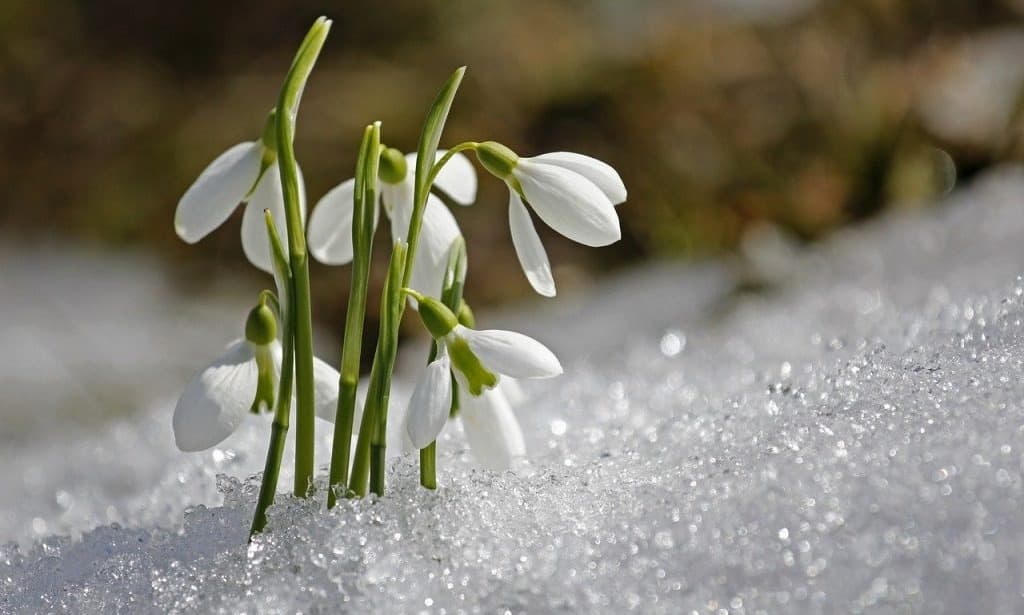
{"points": [[279, 428], [287, 106], [368, 467], [443, 160], [428, 466], [451, 296], [370, 448], [362, 241]]}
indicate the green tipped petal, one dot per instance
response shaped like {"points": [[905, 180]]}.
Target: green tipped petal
{"points": [[463, 359]]}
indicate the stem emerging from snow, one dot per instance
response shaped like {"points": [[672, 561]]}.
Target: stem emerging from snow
{"points": [[362, 241], [279, 428], [287, 107]]}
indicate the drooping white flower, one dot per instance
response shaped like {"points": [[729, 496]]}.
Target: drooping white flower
{"points": [[488, 420], [574, 194], [330, 224], [479, 358], [245, 173], [216, 401]]}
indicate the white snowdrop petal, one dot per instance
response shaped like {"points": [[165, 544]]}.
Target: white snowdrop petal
{"points": [[491, 429], [268, 195], [255, 242], [457, 178], [532, 256], [217, 400], [397, 199], [430, 403], [569, 203], [217, 191], [512, 390], [437, 234], [600, 173], [511, 354], [325, 389], [330, 225]]}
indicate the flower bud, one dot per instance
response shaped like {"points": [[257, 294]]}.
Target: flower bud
{"points": [[497, 159], [261, 325], [393, 167], [466, 316]]}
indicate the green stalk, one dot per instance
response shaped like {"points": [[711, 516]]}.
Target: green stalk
{"points": [[428, 466], [287, 106], [374, 425], [365, 198], [451, 296], [368, 467], [279, 428]]}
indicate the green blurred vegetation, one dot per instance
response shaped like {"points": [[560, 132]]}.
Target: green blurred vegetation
{"points": [[720, 115]]}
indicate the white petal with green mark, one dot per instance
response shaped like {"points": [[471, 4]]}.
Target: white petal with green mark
{"points": [[510, 353]]}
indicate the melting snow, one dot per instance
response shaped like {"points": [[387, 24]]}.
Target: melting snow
{"points": [[850, 441]]}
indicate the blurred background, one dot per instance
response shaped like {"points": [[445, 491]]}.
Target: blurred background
{"points": [[729, 120]]}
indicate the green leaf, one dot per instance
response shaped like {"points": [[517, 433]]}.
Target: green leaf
{"points": [[282, 268], [371, 184], [432, 129]]}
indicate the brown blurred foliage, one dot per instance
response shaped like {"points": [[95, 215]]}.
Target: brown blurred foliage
{"points": [[720, 114]]}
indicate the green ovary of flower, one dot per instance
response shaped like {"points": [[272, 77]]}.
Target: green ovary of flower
{"points": [[497, 159], [393, 167], [261, 325]]}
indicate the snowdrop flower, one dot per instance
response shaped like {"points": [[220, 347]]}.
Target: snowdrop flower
{"points": [[478, 358], [330, 225], [242, 380], [574, 194], [245, 173]]}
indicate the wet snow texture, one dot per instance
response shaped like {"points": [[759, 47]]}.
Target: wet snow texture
{"points": [[852, 441]]}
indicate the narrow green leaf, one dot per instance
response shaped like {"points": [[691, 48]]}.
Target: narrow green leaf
{"points": [[433, 126], [282, 269]]}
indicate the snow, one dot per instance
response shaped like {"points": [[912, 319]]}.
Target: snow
{"points": [[850, 440]]}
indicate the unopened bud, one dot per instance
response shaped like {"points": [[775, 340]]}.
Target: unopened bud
{"points": [[261, 325], [393, 167]]}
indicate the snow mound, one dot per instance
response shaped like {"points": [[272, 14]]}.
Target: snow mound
{"points": [[850, 441]]}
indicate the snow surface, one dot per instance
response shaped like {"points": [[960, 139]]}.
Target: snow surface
{"points": [[850, 440]]}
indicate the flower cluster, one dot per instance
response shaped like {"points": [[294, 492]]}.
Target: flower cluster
{"points": [[472, 374]]}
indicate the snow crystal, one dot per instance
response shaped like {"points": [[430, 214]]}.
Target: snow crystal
{"points": [[851, 440]]}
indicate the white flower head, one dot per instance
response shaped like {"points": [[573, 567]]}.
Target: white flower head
{"points": [[478, 358], [574, 194], [330, 224], [242, 380], [245, 173]]}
